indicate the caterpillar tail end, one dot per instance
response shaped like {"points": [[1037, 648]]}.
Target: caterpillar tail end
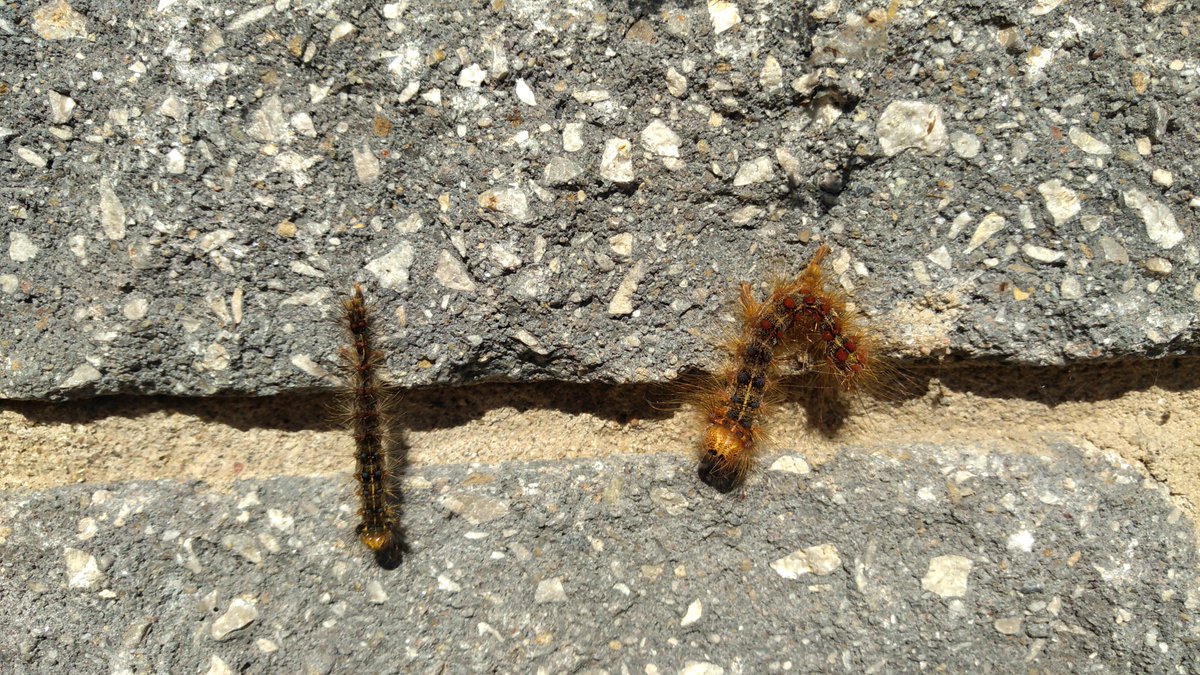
{"points": [[726, 458]]}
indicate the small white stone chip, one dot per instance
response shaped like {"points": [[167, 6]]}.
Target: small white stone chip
{"points": [[174, 108], [947, 576], [472, 76], [239, 615], [341, 30], [821, 560], [476, 509], [1070, 288], [530, 340], [112, 212], [84, 373], [267, 123], [247, 18], [366, 164], [375, 593], [392, 267], [176, 161], [621, 244], [622, 301], [59, 21], [965, 145], [217, 666], [941, 258], [758, 170], [509, 201], [1158, 218], [658, 138], [83, 572], [676, 83], [452, 274], [20, 247], [988, 226], [1061, 201], [701, 668], [61, 107], [1087, 142], [1021, 540], [573, 136], [616, 164], [771, 76], [1042, 254], [724, 15], [550, 590], [1008, 626], [525, 93], [911, 124], [503, 256], [694, 612], [561, 171], [32, 157]]}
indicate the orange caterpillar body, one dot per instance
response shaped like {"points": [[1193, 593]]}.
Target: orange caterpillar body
{"points": [[801, 315], [379, 530]]}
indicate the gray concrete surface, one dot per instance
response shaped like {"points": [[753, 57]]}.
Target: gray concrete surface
{"points": [[912, 559], [572, 190]]}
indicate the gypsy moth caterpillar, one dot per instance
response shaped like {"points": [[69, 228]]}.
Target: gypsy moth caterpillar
{"points": [[799, 315], [376, 465]]}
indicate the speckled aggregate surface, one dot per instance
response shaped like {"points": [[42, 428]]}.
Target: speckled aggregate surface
{"points": [[572, 190], [914, 558]]}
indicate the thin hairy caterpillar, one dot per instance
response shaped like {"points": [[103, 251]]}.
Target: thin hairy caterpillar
{"points": [[369, 404], [802, 315]]}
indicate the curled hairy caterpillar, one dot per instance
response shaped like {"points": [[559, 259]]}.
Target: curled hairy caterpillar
{"points": [[800, 315], [369, 406]]}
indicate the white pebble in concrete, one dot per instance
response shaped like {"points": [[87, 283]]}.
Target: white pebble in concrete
{"points": [[758, 170], [1061, 201], [550, 590], [616, 164], [1158, 218], [911, 124], [947, 576]]}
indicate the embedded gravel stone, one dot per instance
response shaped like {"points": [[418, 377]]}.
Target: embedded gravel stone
{"points": [[550, 590], [622, 302], [239, 615], [1160, 222], [911, 124], [452, 274], [561, 171], [1061, 201], [83, 572], [758, 170], [948, 575], [987, 227], [616, 164]]}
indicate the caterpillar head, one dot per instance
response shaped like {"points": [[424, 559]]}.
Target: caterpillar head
{"points": [[726, 454], [386, 543]]}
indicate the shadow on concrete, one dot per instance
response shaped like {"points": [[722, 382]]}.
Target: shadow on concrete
{"points": [[446, 407]]}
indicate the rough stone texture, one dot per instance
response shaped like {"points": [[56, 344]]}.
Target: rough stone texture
{"points": [[189, 187], [1073, 562]]}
